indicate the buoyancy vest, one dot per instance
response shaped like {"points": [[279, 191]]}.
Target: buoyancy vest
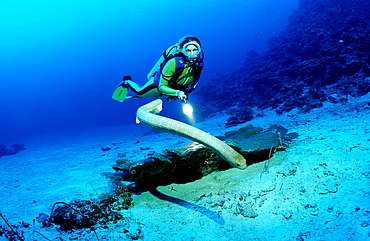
{"points": [[195, 71]]}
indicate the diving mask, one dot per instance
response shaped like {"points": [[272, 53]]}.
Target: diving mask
{"points": [[191, 49]]}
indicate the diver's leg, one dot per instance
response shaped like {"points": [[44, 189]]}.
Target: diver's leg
{"points": [[147, 90]]}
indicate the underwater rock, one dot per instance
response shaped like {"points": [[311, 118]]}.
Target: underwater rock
{"points": [[80, 214], [15, 148], [253, 142], [238, 116], [246, 210], [193, 161]]}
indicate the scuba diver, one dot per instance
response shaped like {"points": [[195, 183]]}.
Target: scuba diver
{"points": [[175, 75]]}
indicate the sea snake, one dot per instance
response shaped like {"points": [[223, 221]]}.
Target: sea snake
{"points": [[146, 115]]}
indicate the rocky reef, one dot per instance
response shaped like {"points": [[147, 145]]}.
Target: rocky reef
{"points": [[322, 55]]}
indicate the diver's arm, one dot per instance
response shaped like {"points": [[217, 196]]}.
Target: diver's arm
{"points": [[168, 70]]}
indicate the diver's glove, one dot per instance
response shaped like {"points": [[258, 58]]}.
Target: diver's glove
{"points": [[181, 95]]}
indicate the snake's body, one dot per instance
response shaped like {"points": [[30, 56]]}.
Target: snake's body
{"points": [[146, 114]]}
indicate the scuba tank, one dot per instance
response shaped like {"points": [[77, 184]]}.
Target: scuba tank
{"points": [[168, 53]]}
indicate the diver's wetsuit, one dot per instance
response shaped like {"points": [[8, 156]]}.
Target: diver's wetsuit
{"points": [[169, 82]]}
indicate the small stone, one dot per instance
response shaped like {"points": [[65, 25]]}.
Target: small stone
{"points": [[287, 214], [246, 211], [365, 224]]}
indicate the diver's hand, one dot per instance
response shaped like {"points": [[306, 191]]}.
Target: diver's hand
{"points": [[181, 95]]}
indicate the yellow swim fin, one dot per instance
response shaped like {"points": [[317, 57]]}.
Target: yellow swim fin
{"points": [[120, 93]]}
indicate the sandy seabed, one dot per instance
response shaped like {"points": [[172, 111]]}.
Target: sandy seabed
{"points": [[317, 189]]}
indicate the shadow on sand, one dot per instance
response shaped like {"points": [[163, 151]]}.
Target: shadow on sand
{"points": [[206, 212]]}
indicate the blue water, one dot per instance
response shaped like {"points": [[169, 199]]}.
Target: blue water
{"points": [[61, 60]]}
